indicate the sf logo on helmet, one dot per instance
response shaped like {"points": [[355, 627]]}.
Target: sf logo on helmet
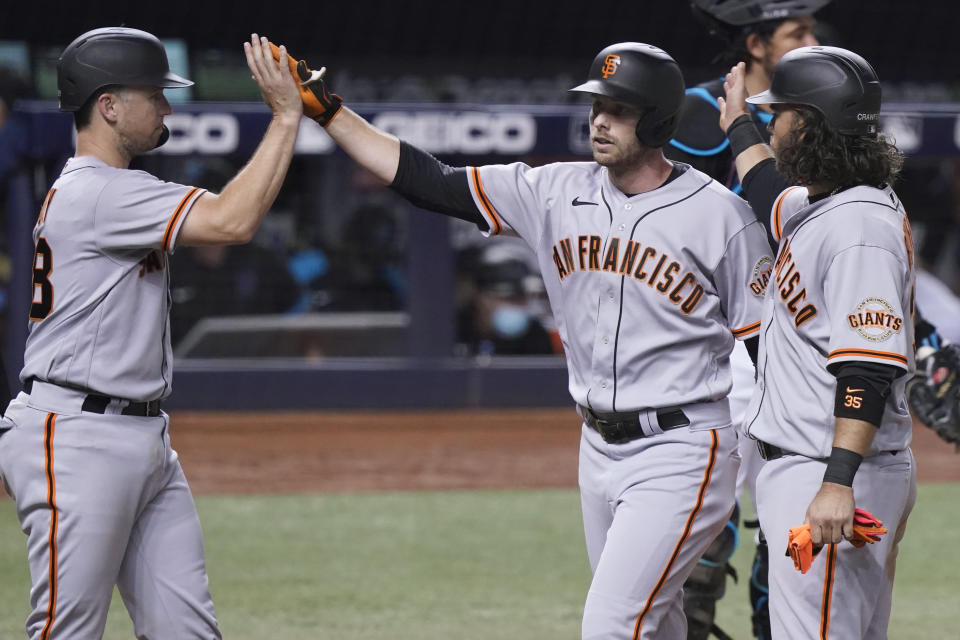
{"points": [[610, 65]]}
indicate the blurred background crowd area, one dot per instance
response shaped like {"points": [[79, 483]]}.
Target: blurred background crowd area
{"points": [[331, 265]]}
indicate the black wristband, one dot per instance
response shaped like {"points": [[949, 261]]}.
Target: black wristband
{"points": [[743, 134], [842, 466]]}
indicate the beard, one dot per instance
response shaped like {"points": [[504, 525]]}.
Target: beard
{"points": [[622, 156], [788, 150], [134, 146]]}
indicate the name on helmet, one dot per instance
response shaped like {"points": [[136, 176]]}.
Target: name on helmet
{"points": [[775, 14], [868, 116]]}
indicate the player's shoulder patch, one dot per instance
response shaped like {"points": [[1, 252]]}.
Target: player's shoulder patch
{"points": [[875, 319], [699, 132], [762, 269]]}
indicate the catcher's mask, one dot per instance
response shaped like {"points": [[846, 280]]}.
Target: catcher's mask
{"points": [[726, 19], [838, 83], [644, 76]]}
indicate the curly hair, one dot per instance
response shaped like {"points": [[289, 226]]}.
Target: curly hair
{"points": [[816, 153]]}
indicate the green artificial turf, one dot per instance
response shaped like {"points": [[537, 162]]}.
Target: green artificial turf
{"points": [[466, 564]]}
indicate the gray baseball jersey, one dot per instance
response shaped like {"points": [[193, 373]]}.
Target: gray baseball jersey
{"points": [[99, 329], [102, 242], [650, 291], [842, 291]]}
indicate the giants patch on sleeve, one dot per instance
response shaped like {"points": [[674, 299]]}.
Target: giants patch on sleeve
{"points": [[761, 276], [875, 320]]}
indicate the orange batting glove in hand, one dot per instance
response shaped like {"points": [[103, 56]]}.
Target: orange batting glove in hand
{"points": [[800, 548], [866, 528], [318, 104]]}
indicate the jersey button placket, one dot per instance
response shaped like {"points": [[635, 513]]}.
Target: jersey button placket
{"points": [[603, 349]]}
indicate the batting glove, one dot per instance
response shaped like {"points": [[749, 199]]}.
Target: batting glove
{"points": [[866, 528], [318, 103]]}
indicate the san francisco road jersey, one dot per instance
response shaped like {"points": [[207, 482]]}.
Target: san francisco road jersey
{"points": [[100, 313], [649, 291], [842, 290]]}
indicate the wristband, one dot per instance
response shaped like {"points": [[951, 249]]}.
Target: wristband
{"points": [[842, 466], [743, 134]]}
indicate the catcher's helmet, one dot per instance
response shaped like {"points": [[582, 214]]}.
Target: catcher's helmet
{"points": [[739, 13], [112, 55], [838, 83], [644, 76]]}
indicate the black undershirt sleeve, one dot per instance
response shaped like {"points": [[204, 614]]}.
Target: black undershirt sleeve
{"points": [[431, 184], [862, 389], [880, 375], [761, 186]]}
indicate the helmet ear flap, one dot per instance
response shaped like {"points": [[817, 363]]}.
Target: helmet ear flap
{"points": [[653, 132]]}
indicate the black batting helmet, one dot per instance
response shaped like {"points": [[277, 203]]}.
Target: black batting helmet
{"points": [[112, 56], [838, 83], [644, 76]]}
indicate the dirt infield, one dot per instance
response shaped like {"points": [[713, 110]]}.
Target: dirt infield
{"points": [[361, 451]]}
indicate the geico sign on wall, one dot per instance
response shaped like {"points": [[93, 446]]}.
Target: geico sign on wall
{"points": [[210, 133], [471, 132], [467, 132]]}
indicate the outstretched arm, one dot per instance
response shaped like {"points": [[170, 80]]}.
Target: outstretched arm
{"points": [[376, 151], [411, 172], [233, 216]]}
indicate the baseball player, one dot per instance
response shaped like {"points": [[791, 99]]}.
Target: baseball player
{"points": [[757, 33], [650, 268], [829, 410], [85, 449]]}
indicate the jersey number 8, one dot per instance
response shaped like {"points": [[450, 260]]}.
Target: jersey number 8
{"points": [[42, 287]]}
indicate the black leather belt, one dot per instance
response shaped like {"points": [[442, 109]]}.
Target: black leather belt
{"points": [[621, 427], [96, 403], [771, 451]]}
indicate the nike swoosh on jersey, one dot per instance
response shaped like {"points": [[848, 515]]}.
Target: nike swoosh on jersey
{"points": [[849, 390], [577, 202]]}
